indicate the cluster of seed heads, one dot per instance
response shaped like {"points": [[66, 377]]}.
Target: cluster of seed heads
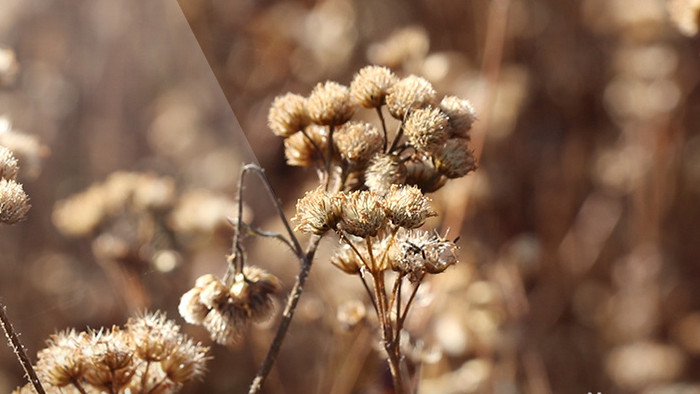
{"points": [[14, 202]]}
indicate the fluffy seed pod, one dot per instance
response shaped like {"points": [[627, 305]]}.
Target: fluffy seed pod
{"points": [[61, 362], [14, 202], [384, 171], [318, 211], [8, 164], [362, 214], [287, 115], [461, 116], [347, 260], [454, 159], [370, 85], [426, 128], [358, 142], [253, 290], [424, 176], [415, 252], [407, 207], [330, 104], [409, 93], [302, 149]]}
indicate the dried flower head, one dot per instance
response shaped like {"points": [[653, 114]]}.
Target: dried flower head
{"points": [[409, 93], [358, 142], [253, 289], [304, 149], [8, 164], [347, 260], [407, 207], [318, 211], [426, 128], [454, 159], [371, 84], [415, 252], [288, 115], [330, 103], [14, 202], [186, 362], [362, 214], [62, 362], [424, 176], [461, 115], [384, 171], [154, 336], [685, 14], [110, 358]]}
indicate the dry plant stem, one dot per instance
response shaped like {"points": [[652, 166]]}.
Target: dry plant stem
{"points": [[79, 387], [17, 347], [386, 136], [287, 315]]}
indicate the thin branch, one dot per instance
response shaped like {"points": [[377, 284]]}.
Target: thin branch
{"points": [[267, 234], [18, 348], [386, 136]]}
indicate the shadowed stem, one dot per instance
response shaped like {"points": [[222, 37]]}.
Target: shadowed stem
{"points": [[17, 347], [287, 315]]}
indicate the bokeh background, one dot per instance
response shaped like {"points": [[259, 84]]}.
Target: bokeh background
{"points": [[579, 232]]}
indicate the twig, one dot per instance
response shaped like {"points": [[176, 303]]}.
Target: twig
{"points": [[18, 348]]}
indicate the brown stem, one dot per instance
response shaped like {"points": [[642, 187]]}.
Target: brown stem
{"points": [[18, 348], [78, 386], [386, 136], [287, 315]]}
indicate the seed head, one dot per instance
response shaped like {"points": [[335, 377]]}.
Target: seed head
{"points": [[454, 159], [330, 104], [358, 142], [407, 207], [288, 115], [461, 115], [426, 128], [8, 164], [302, 150], [14, 202], [362, 214], [187, 361], [61, 363], [253, 290], [424, 176], [370, 85], [154, 336], [110, 359], [318, 211], [347, 260], [414, 252], [384, 171], [409, 93]]}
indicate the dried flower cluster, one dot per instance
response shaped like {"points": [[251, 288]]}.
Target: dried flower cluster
{"points": [[14, 202], [148, 355], [225, 310]]}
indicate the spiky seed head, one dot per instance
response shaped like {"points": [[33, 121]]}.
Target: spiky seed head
{"points": [[330, 104], [111, 359], [61, 362], [302, 149], [407, 207], [347, 260], [370, 85], [14, 202], [362, 214], [455, 159], [186, 362], [426, 128], [288, 115], [154, 336], [384, 171], [415, 252], [424, 176], [318, 211], [410, 93], [461, 115], [358, 142], [8, 164]]}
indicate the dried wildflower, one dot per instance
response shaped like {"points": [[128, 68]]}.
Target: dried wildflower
{"points": [[412, 92], [14, 202], [27, 148], [154, 336], [8, 164], [318, 211], [685, 14], [351, 313], [407, 207], [305, 149], [454, 159], [414, 252], [187, 361], [288, 115], [330, 103], [347, 260], [61, 363], [370, 85], [384, 171], [362, 214], [253, 289], [358, 142], [426, 128], [225, 325], [424, 176], [461, 115], [110, 359]]}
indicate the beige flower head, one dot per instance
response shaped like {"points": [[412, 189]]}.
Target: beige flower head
{"points": [[14, 202], [358, 142], [384, 171], [8, 164], [305, 149], [426, 128], [415, 252], [409, 93], [330, 104], [455, 159], [371, 84], [407, 207], [287, 115], [461, 115], [424, 176], [362, 214], [318, 211], [347, 260]]}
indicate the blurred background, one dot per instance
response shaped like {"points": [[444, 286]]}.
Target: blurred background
{"points": [[579, 255]]}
